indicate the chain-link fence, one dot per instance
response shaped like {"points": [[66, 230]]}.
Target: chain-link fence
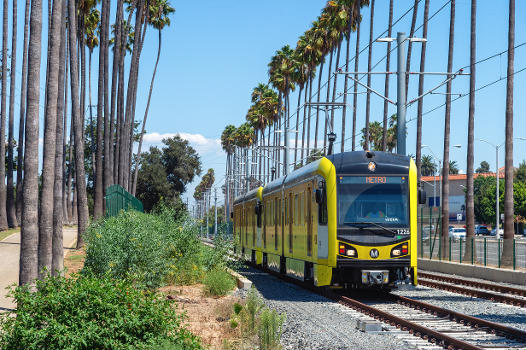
{"points": [[479, 250]]}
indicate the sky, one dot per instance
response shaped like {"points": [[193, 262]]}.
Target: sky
{"points": [[215, 52]]}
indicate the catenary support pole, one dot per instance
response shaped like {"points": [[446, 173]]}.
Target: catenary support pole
{"points": [[215, 210], [401, 104]]}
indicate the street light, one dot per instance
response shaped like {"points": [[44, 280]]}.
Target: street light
{"points": [[497, 205], [439, 170]]}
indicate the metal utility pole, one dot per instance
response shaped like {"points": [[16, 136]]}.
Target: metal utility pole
{"points": [[207, 193], [498, 204], [247, 178], [286, 147], [215, 214], [401, 99]]}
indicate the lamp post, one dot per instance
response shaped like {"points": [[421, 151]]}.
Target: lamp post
{"points": [[439, 171], [497, 194]]}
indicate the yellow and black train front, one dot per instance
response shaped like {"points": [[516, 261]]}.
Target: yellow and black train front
{"points": [[348, 219], [376, 201]]}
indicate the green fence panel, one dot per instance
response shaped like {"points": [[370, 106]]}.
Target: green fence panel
{"points": [[117, 199]]}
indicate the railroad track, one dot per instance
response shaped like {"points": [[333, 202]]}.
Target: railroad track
{"points": [[485, 290], [432, 327], [422, 325]]}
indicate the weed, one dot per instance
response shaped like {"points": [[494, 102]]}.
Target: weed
{"points": [[253, 305], [237, 308], [218, 282], [270, 329]]}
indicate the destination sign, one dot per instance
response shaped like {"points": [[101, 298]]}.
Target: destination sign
{"points": [[372, 180]]}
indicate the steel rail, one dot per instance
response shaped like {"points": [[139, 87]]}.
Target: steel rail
{"points": [[482, 285], [500, 298]]}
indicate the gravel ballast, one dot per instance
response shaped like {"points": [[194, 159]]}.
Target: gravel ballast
{"points": [[313, 321], [508, 315]]}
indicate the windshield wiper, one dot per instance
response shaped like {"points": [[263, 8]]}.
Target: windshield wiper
{"points": [[364, 224]]}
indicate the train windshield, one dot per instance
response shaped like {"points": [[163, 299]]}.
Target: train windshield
{"points": [[380, 200]]}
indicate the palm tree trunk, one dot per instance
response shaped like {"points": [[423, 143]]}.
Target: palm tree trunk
{"points": [[108, 147], [346, 79], [369, 67], [92, 144], [303, 126], [317, 105], [327, 100], [387, 68], [355, 92], [447, 118], [410, 46], [11, 210], [3, 210], [507, 252], [120, 121], [57, 260], [311, 78], [29, 229], [114, 82], [125, 160], [99, 171], [21, 126], [297, 125], [470, 207], [420, 92], [340, 39], [134, 186], [80, 179], [45, 241], [66, 187]]}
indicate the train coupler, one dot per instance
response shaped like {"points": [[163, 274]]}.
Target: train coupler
{"points": [[371, 277]]}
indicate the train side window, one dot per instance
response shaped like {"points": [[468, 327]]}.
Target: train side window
{"points": [[290, 222], [322, 208]]}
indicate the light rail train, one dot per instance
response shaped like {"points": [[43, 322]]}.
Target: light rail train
{"points": [[346, 220]]}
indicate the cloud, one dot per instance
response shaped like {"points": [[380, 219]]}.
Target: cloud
{"points": [[201, 143]]}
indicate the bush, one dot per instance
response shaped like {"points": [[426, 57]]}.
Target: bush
{"points": [[85, 312], [218, 282], [141, 247]]}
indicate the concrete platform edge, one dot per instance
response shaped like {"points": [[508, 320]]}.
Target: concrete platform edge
{"points": [[475, 271]]}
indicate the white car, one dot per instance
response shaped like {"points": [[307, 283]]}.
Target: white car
{"points": [[501, 233], [457, 233]]}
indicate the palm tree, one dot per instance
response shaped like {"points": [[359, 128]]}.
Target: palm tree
{"points": [[321, 44], [387, 68], [470, 206], [410, 45], [299, 77], [507, 257], [29, 229], [45, 240], [453, 167], [355, 87], [428, 168], [3, 211], [21, 128], [101, 115], [160, 11], [80, 179], [106, 144], [11, 210], [369, 67], [57, 260], [445, 168], [227, 142], [91, 23], [420, 92]]}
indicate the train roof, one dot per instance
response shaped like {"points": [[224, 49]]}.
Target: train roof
{"points": [[357, 162], [252, 194]]}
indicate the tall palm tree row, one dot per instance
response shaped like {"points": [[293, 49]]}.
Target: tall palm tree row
{"points": [[71, 26]]}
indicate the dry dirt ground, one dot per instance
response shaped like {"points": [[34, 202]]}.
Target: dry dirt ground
{"points": [[207, 317]]}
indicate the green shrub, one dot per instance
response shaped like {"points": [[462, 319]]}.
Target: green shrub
{"points": [[253, 305], [145, 248], [218, 282], [237, 308], [85, 312], [270, 329]]}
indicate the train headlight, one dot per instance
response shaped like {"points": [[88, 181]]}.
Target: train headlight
{"points": [[347, 250], [400, 250]]}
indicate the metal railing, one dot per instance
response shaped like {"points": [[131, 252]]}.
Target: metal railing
{"points": [[478, 250], [117, 199]]}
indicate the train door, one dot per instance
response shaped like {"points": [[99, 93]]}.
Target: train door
{"points": [[284, 224], [265, 223], [291, 222], [276, 223], [254, 215], [308, 200]]}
